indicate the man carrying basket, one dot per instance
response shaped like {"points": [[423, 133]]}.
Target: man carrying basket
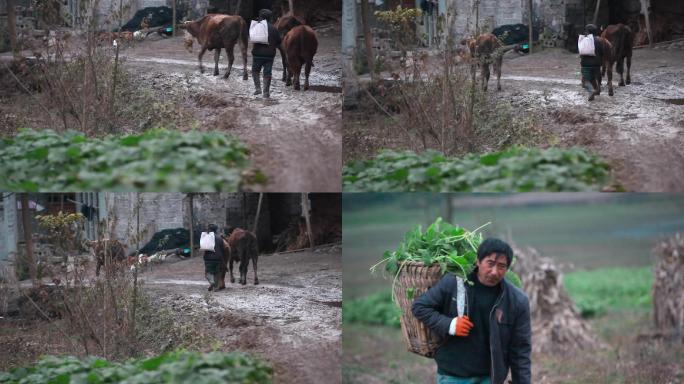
{"points": [[491, 334]]}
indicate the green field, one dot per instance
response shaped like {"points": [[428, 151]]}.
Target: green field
{"points": [[618, 231]]}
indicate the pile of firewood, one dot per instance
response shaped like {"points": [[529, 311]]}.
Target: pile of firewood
{"points": [[557, 326], [668, 284]]}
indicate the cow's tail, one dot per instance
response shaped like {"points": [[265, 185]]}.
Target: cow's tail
{"points": [[620, 46], [244, 33], [254, 245], [302, 44]]}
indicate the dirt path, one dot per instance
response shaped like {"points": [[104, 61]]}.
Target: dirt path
{"points": [[293, 318], [639, 131], [294, 138]]}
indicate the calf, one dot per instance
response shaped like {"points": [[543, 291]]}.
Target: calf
{"points": [[215, 32], [284, 25], [109, 249], [240, 246], [300, 45], [486, 49], [621, 38]]}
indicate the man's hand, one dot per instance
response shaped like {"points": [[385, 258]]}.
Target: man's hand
{"points": [[460, 326]]}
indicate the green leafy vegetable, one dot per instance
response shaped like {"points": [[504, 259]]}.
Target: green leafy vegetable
{"points": [[514, 170], [157, 160]]}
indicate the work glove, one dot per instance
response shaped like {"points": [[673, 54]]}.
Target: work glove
{"points": [[460, 326]]}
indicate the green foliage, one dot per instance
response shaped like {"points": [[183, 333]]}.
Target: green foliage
{"points": [[157, 160], [514, 170], [401, 23], [452, 247], [376, 309], [607, 289], [173, 367]]}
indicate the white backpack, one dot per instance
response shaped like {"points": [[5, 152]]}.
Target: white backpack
{"points": [[585, 45], [207, 241], [258, 32]]}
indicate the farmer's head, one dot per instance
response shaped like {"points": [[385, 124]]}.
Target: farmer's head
{"points": [[494, 256], [591, 29], [213, 228], [265, 14]]}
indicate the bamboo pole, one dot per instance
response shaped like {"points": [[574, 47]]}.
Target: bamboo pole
{"points": [[644, 9], [596, 11], [258, 212], [26, 224], [305, 211]]}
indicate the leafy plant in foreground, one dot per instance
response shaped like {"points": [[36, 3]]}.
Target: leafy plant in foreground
{"points": [[152, 161], [514, 170], [173, 367]]}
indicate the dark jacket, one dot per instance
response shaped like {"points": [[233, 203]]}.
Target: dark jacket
{"points": [[593, 61], [268, 51], [213, 260], [509, 328]]}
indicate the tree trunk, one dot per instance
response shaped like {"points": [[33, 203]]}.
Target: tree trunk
{"points": [[368, 38], [596, 11], [12, 25], [26, 224]]}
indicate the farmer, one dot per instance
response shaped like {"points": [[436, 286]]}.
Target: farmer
{"points": [[492, 334], [591, 65], [213, 261], [264, 54]]}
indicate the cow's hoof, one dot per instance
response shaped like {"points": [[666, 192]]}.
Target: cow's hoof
{"points": [[621, 84], [232, 281], [210, 288], [216, 73], [306, 87], [256, 282], [221, 288], [243, 283], [628, 81], [296, 87], [245, 77], [610, 93]]}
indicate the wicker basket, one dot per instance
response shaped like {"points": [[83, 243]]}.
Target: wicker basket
{"points": [[419, 338]]}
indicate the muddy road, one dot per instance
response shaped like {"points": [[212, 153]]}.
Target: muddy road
{"points": [[639, 130], [294, 138], [293, 318]]}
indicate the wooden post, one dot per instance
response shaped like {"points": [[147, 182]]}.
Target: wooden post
{"points": [[26, 224], [256, 219], [192, 227], [305, 211], [644, 9], [12, 26], [173, 15], [365, 15], [529, 21], [596, 12]]}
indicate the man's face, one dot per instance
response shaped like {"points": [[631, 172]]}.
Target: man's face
{"points": [[491, 269]]}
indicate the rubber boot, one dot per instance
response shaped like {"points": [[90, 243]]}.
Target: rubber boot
{"points": [[267, 87], [257, 83]]}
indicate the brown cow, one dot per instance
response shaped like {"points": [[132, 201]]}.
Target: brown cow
{"points": [[284, 24], [214, 32], [621, 37], [300, 45], [240, 247], [485, 49], [111, 249]]}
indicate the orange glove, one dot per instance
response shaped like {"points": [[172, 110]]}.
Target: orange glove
{"points": [[463, 326]]}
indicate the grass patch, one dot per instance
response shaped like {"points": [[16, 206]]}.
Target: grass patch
{"points": [[513, 170], [610, 289], [173, 367], [375, 309], [157, 160]]}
